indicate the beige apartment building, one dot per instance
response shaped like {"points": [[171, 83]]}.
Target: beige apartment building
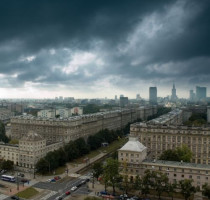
{"points": [[158, 138], [56, 130], [133, 161], [31, 148]]}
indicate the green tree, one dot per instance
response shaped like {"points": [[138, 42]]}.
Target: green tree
{"points": [[160, 181], [7, 165], [13, 141], [43, 166], [184, 153], [169, 154], [171, 189], [97, 169], [180, 153], [111, 172], [187, 189], [146, 183], [3, 136], [81, 146], [206, 190]]}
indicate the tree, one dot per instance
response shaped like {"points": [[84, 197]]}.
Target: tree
{"points": [[180, 153], [7, 165], [170, 155], [146, 183], [3, 136], [111, 172], [171, 189], [81, 146], [160, 182], [206, 191], [97, 171], [13, 141], [43, 166], [184, 153], [187, 189]]}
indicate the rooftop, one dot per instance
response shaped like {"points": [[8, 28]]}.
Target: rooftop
{"points": [[133, 145], [177, 164]]}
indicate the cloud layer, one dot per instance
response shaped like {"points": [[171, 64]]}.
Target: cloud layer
{"points": [[101, 48]]}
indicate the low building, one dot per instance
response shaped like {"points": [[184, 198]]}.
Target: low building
{"points": [[133, 161], [30, 149]]}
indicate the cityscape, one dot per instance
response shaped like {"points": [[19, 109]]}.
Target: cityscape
{"points": [[104, 100]]}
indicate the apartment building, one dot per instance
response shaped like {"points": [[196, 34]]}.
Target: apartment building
{"points": [[158, 138], [134, 161], [55, 130], [30, 149]]}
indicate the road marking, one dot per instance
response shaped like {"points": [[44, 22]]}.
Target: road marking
{"points": [[48, 195], [2, 196]]}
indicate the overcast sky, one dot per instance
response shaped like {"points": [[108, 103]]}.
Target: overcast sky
{"points": [[104, 47]]}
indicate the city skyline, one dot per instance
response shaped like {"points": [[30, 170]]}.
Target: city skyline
{"points": [[94, 49]]}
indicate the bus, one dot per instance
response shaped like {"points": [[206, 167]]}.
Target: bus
{"points": [[8, 178]]}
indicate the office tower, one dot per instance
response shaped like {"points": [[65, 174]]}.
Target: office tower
{"points": [[200, 93], [121, 95], [123, 101], [173, 94], [138, 97], [208, 114], [115, 97], [192, 95], [153, 95]]}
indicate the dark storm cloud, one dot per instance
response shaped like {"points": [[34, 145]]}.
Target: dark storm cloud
{"points": [[81, 42]]}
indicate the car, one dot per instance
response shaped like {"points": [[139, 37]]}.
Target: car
{"points": [[74, 188], [67, 192], [57, 178], [15, 197], [83, 181], [51, 180], [104, 193], [23, 180], [59, 198]]}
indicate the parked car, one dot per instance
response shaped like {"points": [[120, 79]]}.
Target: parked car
{"points": [[104, 193], [59, 198], [74, 188], [67, 192], [15, 197], [57, 178], [51, 180], [23, 180]]}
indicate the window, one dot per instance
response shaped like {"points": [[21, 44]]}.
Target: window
{"points": [[182, 175], [198, 177], [174, 175]]}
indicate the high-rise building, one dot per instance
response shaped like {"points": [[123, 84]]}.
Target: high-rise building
{"points": [[200, 93], [192, 95], [121, 95], [173, 94], [123, 101], [115, 97], [153, 95], [138, 97], [208, 114]]}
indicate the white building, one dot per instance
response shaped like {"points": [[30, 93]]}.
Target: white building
{"points": [[46, 113]]}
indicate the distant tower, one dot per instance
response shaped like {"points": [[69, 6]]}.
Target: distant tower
{"points": [[115, 97], [208, 114], [173, 94], [153, 95]]}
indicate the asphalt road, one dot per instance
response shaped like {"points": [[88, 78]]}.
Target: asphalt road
{"points": [[59, 188]]}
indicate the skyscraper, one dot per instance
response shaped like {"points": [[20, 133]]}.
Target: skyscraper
{"points": [[200, 93], [192, 95], [173, 94], [153, 95]]}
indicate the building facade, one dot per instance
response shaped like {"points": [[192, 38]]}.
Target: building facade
{"points": [[31, 148], [133, 161], [55, 130], [153, 95], [158, 138]]}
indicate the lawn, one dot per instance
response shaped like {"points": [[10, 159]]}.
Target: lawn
{"points": [[27, 193]]}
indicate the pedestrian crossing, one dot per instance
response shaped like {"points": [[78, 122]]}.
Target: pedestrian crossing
{"points": [[2, 196], [52, 193]]}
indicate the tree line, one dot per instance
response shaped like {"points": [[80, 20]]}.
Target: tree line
{"points": [[3, 136], [76, 149], [152, 182]]}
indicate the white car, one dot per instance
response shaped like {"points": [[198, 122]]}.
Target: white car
{"points": [[74, 188]]}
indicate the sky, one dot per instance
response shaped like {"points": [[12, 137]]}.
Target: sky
{"points": [[102, 48]]}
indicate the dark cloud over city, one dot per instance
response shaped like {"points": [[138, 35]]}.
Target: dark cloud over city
{"points": [[91, 47]]}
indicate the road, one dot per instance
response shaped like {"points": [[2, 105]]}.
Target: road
{"points": [[60, 187]]}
